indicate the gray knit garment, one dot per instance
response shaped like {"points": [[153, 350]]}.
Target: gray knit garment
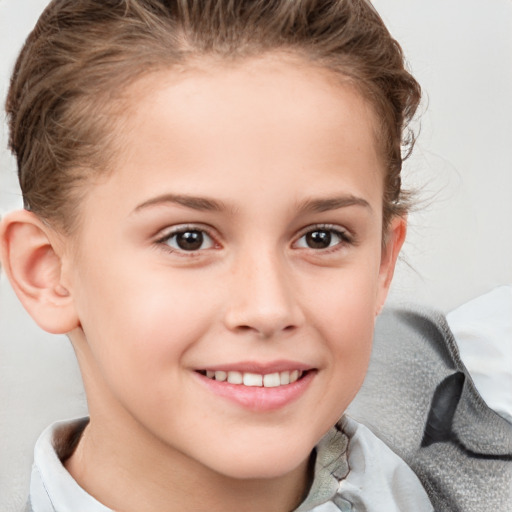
{"points": [[420, 400]]}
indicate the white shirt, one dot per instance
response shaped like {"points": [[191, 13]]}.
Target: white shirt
{"points": [[354, 471]]}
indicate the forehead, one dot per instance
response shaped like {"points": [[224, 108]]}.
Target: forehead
{"points": [[248, 122], [270, 91]]}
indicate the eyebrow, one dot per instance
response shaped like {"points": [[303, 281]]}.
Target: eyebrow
{"points": [[207, 204], [196, 203], [332, 203]]}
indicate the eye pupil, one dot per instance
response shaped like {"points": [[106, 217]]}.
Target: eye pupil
{"points": [[319, 239], [190, 240]]}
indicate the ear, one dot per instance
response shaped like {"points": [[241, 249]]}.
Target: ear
{"points": [[393, 241], [31, 258]]}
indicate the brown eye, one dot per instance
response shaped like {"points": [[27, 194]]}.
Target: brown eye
{"points": [[189, 240], [322, 238]]}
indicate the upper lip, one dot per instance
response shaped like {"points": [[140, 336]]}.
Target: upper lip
{"points": [[262, 368]]}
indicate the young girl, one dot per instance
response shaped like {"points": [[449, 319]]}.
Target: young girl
{"points": [[213, 212]]}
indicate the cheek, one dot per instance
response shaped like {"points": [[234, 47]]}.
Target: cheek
{"points": [[346, 298], [138, 334], [350, 336], [140, 322], [345, 317]]}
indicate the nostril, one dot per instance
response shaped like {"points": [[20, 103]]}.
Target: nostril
{"points": [[263, 331]]}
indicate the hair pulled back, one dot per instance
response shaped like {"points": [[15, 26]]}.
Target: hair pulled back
{"points": [[83, 54]]}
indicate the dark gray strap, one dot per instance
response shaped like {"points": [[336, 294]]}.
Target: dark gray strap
{"points": [[419, 398]]}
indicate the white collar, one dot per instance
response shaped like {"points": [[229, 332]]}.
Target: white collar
{"points": [[354, 471], [52, 488]]}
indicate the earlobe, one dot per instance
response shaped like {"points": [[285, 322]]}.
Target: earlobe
{"points": [[33, 265], [394, 240]]}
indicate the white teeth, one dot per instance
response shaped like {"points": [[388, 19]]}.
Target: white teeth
{"points": [[285, 378], [269, 380], [222, 376], [235, 378], [253, 379]]}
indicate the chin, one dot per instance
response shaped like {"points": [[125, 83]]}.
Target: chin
{"points": [[260, 463]]}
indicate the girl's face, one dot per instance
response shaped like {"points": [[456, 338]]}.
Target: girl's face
{"points": [[239, 237]]}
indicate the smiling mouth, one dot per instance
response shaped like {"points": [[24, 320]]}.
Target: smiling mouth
{"points": [[269, 380]]}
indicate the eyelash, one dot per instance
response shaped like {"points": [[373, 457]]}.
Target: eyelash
{"points": [[164, 241], [344, 239]]}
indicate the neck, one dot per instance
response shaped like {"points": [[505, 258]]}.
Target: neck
{"points": [[161, 478]]}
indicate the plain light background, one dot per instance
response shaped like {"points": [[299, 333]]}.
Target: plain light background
{"points": [[460, 239]]}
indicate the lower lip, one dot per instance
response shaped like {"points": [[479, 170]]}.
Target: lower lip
{"points": [[258, 398]]}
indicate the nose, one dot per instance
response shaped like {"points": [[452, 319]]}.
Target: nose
{"points": [[263, 297]]}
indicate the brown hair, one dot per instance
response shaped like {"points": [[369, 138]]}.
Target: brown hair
{"points": [[83, 54]]}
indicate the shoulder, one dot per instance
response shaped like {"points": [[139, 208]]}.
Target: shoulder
{"points": [[356, 471], [52, 488], [378, 479]]}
